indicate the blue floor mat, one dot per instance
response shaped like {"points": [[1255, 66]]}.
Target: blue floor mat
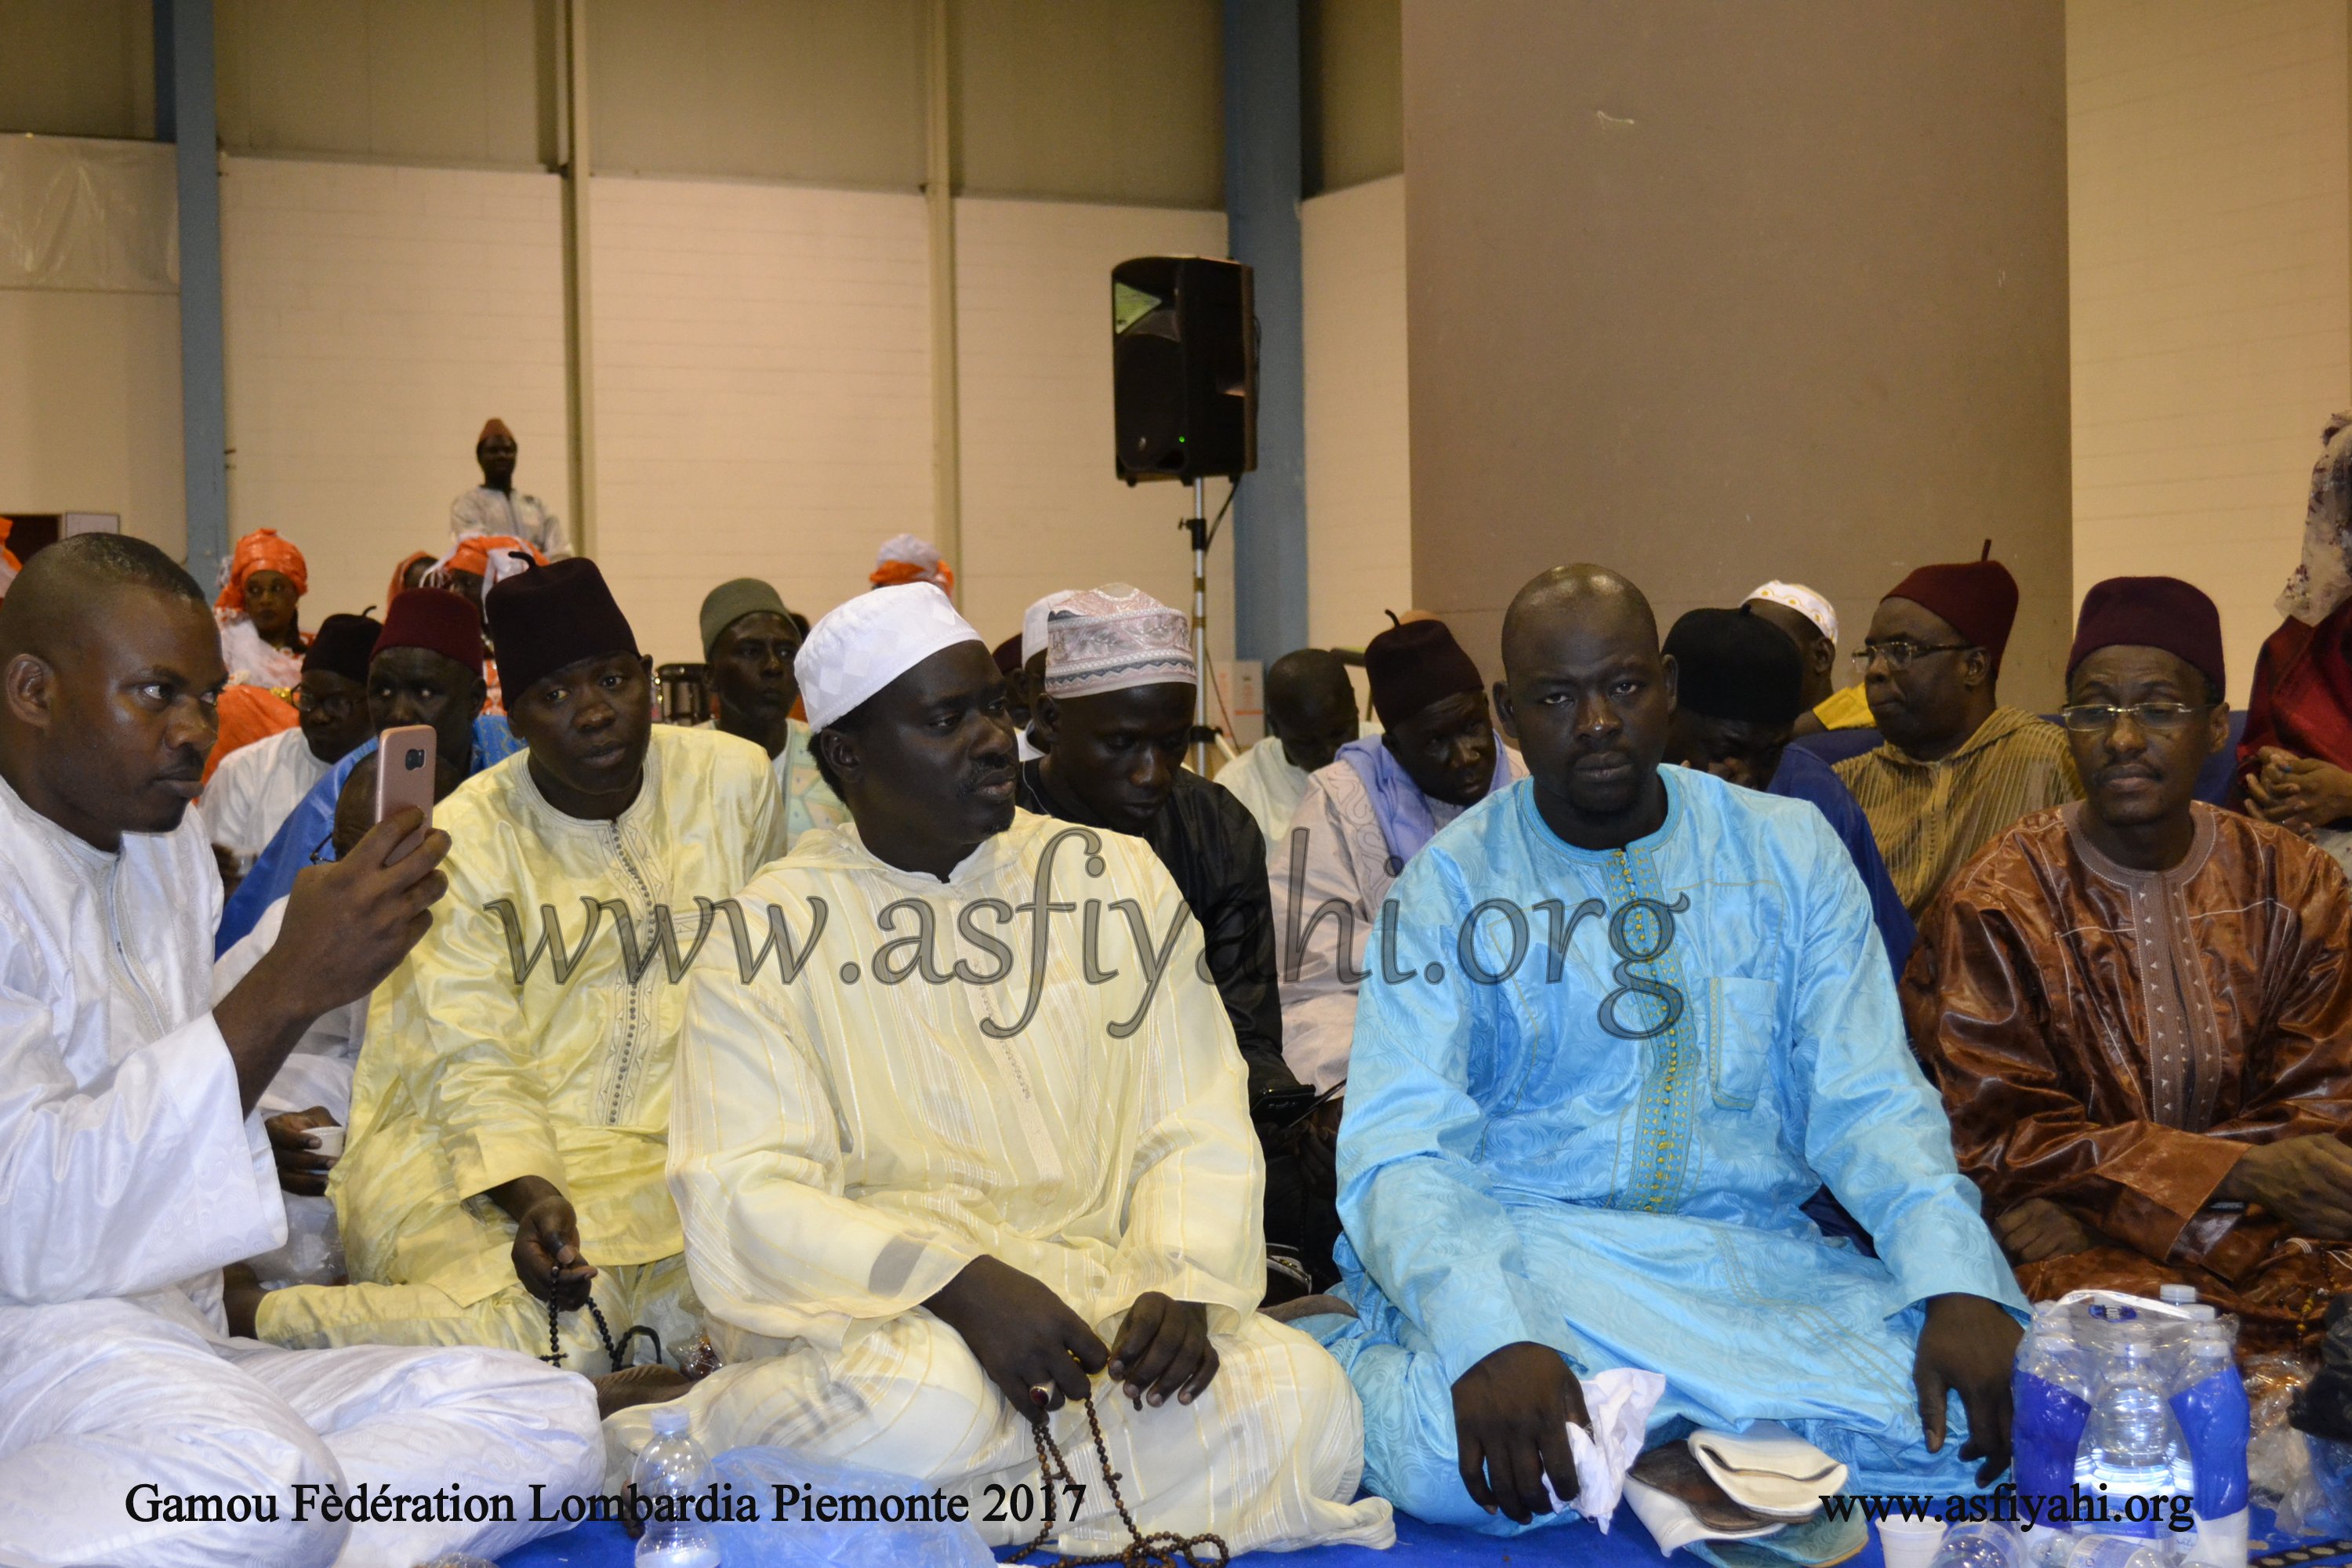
{"points": [[1627, 1545]]}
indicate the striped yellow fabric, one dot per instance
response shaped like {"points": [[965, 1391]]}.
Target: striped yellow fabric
{"points": [[1930, 818], [471, 1077]]}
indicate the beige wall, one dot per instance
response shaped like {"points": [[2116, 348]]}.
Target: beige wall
{"points": [[77, 68], [2211, 237], [1713, 294], [1351, 57], [89, 333], [1104, 100], [90, 408], [1042, 508], [827, 91], [425, 81], [1359, 447], [374, 318]]}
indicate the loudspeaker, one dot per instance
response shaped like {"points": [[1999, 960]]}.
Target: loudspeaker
{"points": [[1184, 367]]}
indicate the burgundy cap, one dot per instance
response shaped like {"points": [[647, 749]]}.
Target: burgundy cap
{"points": [[2151, 612], [436, 621], [1007, 655], [1412, 665], [545, 618], [1977, 598]]}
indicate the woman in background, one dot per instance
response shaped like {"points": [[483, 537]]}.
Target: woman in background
{"points": [[2294, 764], [261, 638]]}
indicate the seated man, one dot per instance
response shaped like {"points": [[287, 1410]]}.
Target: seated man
{"points": [[522, 1053], [425, 669], [1737, 691], [1116, 711], [923, 1215], [1310, 713], [1117, 715], [1810, 621], [1957, 767], [133, 1172], [1632, 1018], [256, 786], [748, 640], [2140, 1007], [1362, 820]]}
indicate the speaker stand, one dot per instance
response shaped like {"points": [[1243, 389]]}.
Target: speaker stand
{"points": [[1198, 526]]}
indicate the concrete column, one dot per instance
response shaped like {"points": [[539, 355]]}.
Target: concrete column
{"points": [[184, 115], [1262, 195]]}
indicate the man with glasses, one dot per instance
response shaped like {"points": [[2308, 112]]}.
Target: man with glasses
{"points": [[426, 668], [255, 787], [2140, 1007], [1956, 766]]}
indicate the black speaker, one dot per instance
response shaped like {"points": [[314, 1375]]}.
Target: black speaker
{"points": [[1184, 367]]}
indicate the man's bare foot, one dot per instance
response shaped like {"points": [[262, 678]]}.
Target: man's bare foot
{"points": [[241, 1295], [638, 1385]]}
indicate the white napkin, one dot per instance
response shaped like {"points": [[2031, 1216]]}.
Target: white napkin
{"points": [[1619, 1402]]}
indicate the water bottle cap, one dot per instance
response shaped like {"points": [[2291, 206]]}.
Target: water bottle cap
{"points": [[671, 1422], [2176, 1295]]}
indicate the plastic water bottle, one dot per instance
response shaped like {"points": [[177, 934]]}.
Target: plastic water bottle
{"points": [[673, 1466], [2131, 1444], [2216, 1425], [2050, 1396], [2101, 1552], [1984, 1545]]}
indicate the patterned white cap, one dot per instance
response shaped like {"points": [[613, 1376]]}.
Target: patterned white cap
{"points": [[866, 643], [1115, 636], [1803, 600], [1033, 623]]}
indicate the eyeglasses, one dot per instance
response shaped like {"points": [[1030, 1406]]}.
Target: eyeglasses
{"points": [[326, 707], [1898, 654], [2096, 718]]}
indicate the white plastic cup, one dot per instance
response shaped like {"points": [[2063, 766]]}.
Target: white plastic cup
{"points": [[1909, 1542], [330, 1140]]}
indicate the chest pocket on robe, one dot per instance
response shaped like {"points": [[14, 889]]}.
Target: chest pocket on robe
{"points": [[1740, 1015]]}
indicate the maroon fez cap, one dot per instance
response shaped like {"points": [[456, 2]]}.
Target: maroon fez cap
{"points": [[545, 618], [1414, 664], [2151, 612], [1007, 655], [437, 621], [1977, 598], [343, 646]]}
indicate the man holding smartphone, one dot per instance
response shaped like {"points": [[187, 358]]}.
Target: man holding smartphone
{"points": [[510, 1117], [133, 1171]]}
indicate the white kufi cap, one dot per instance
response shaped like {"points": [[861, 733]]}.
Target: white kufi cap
{"points": [[1803, 600], [1033, 623], [866, 643]]}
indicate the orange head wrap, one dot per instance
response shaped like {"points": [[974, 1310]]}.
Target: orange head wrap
{"points": [[400, 574], [493, 427], [261, 551], [477, 552]]}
